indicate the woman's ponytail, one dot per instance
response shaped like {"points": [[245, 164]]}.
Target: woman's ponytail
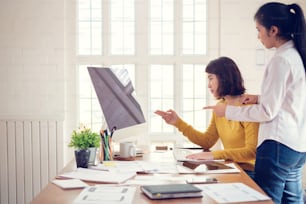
{"points": [[298, 30]]}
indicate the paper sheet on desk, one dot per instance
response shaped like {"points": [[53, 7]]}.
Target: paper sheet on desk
{"points": [[137, 167], [98, 176], [145, 167], [70, 183], [155, 179], [232, 192], [118, 166], [106, 194]]}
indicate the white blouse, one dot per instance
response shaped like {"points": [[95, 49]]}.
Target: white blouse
{"points": [[282, 107]]}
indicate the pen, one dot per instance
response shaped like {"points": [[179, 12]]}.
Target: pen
{"points": [[106, 147], [101, 146], [113, 130]]}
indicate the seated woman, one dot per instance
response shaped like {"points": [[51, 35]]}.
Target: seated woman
{"points": [[239, 139]]}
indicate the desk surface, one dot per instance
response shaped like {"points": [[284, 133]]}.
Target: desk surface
{"points": [[53, 194]]}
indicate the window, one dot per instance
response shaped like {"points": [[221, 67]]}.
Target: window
{"points": [[194, 27], [162, 27], [122, 25], [162, 43], [194, 95], [90, 27], [162, 95], [89, 107]]}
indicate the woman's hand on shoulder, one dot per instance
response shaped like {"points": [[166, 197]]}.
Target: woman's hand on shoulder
{"points": [[219, 109], [249, 99]]}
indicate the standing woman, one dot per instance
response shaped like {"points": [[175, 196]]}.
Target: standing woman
{"points": [[281, 108]]}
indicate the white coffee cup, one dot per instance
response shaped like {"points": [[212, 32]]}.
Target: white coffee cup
{"points": [[127, 149]]}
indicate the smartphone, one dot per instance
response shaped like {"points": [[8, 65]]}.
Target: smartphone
{"points": [[200, 180]]}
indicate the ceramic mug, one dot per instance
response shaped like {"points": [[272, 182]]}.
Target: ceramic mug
{"points": [[127, 149]]}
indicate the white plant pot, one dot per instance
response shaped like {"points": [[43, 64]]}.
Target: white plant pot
{"points": [[92, 156]]}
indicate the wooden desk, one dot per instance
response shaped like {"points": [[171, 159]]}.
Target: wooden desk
{"points": [[53, 194]]}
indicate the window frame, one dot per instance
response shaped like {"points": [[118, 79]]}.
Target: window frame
{"points": [[142, 59]]}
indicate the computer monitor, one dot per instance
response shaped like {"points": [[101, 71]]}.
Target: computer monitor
{"points": [[116, 96]]}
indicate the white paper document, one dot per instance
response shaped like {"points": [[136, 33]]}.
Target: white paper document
{"points": [[98, 176], [145, 167], [70, 183], [232, 192], [106, 194], [136, 167], [156, 179]]}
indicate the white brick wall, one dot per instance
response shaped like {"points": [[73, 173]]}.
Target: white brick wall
{"points": [[31, 88], [32, 58]]}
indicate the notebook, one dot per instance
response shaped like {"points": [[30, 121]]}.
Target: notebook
{"points": [[209, 165], [167, 191]]}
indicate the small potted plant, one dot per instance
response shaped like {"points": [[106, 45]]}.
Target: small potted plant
{"points": [[82, 141]]}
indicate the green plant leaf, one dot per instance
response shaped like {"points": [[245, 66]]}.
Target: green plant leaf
{"points": [[83, 139]]}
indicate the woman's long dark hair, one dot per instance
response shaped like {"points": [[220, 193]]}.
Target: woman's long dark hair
{"points": [[290, 21], [228, 75]]}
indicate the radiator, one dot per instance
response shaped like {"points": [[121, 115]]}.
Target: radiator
{"points": [[31, 154]]}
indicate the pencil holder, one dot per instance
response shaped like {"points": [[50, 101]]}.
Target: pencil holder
{"points": [[106, 153]]}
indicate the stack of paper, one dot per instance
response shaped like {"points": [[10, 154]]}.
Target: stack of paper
{"points": [[98, 176], [143, 167]]}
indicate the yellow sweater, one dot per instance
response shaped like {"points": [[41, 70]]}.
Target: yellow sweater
{"points": [[238, 138]]}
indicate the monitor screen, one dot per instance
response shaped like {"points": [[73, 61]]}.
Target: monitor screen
{"points": [[116, 96]]}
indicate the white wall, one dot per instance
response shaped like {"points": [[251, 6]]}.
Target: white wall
{"points": [[32, 59], [32, 55]]}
